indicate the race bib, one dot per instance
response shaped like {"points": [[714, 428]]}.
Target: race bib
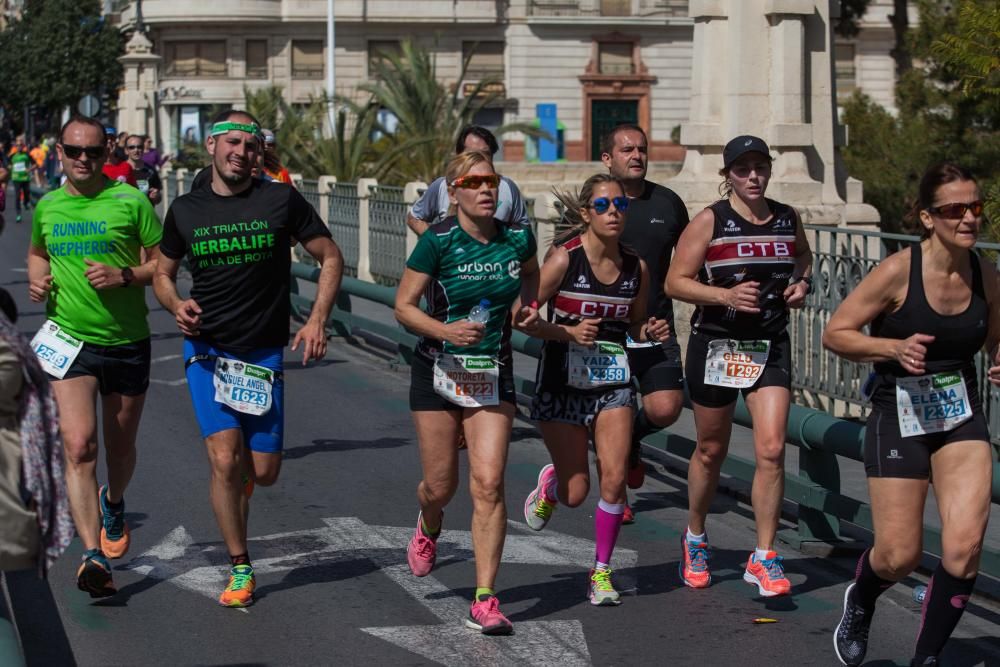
{"points": [[931, 403], [20, 167], [736, 363], [243, 387], [631, 344], [143, 185], [468, 381], [56, 350], [598, 365]]}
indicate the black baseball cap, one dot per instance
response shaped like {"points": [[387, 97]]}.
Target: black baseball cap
{"points": [[743, 144]]}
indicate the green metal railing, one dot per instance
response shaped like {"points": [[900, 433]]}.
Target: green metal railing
{"points": [[386, 233], [841, 259], [816, 487], [343, 221]]}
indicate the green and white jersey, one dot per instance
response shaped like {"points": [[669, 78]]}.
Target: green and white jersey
{"points": [[463, 272], [109, 228], [20, 167]]}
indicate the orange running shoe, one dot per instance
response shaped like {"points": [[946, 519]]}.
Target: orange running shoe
{"points": [[239, 592], [628, 516], [768, 575], [114, 531], [694, 563], [94, 575], [247, 486]]}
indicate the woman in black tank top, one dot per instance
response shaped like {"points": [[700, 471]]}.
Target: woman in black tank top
{"points": [[743, 262], [932, 308], [596, 290]]}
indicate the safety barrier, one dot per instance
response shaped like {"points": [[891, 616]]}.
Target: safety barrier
{"points": [[841, 259], [821, 438], [343, 220], [387, 233]]}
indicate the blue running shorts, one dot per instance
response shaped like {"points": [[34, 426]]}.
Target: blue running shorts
{"points": [[261, 433]]}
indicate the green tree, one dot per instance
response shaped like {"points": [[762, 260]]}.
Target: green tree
{"points": [[429, 115], [57, 52], [946, 111]]}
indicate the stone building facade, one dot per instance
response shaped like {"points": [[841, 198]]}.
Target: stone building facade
{"points": [[600, 62]]}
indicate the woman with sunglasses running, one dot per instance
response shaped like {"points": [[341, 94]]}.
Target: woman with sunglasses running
{"points": [[743, 261], [474, 272], [931, 308], [598, 291]]}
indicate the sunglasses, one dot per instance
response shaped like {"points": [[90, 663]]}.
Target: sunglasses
{"points": [[602, 204], [73, 152], [476, 181], [957, 210], [136, 147]]}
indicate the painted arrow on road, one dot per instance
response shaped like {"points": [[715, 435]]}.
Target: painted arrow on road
{"points": [[180, 561]]}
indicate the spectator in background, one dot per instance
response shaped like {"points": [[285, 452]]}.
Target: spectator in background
{"points": [[433, 205], [147, 179], [151, 155], [53, 167], [117, 168], [21, 167], [121, 139], [34, 508], [272, 168], [38, 157]]}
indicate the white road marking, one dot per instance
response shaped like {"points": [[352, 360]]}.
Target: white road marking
{"points": [[166, 357], [169, 383], [201, 570]]}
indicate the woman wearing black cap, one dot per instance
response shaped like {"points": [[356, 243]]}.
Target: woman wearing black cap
{"points": [[743, 261]]}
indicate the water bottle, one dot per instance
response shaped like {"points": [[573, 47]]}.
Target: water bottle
{"points": [[919, 593], [480, 312]]}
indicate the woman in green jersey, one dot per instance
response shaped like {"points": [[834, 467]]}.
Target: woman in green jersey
{"points": [[470, 267]]}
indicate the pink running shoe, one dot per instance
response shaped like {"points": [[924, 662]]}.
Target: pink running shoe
{"points": [[485, 616], [421, 552]]}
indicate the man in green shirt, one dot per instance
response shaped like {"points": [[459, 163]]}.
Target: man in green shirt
{"points": [[86, 261], [21, 166]]}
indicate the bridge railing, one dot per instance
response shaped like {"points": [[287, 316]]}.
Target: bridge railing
{"points": [[841, 259], [342, 217], [821, 438], [387, 233]]}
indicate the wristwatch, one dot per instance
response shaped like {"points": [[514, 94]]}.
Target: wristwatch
{"points": [[127, 276], [807, 280]]}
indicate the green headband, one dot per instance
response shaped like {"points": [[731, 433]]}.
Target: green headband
{"points": [[226, 126]]}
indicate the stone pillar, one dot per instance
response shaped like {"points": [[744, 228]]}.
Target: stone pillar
{"points": [[136, 106], [364, 231], [764, 67], [325, 186]]}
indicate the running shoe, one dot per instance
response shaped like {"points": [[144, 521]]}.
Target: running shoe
{"points": [[485, 616], [94, 575], [850, 639], [628, 516], [768, 575], [114, 531], [421, 552], [18, 218], [694, 563], [636, 467], [538, 508], [239, 592], [600, 590]]}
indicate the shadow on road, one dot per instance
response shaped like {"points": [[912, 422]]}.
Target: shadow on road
{"points": [[333, 445], [42, 632]]}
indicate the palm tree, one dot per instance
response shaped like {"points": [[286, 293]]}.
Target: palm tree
{"points": [[429, 115]]}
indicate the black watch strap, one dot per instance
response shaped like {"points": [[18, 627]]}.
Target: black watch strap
{"points": [[127, 276]]}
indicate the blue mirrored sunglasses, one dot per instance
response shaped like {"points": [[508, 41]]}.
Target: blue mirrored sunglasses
{"points": [[602, 204]]}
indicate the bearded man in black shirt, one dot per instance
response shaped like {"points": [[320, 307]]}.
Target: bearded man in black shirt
{"points": [[654, 221], [235, 232]]}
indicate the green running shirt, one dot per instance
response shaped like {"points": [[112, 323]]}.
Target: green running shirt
{"points": [[20, 164], [464, 271], [110, 228]]}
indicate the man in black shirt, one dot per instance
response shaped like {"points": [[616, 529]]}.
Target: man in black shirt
{"points": [[235, 233], [146, 178], [654, 221]]}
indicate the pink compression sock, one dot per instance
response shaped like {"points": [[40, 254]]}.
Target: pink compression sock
{"points": [[607, 523]]}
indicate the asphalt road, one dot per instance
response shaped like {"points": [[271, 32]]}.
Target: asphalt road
{"points": [[328, 542]]}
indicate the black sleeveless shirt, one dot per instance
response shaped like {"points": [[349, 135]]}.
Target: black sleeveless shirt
{"points": [[582, 296], [741, 252], [957, 338]]}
